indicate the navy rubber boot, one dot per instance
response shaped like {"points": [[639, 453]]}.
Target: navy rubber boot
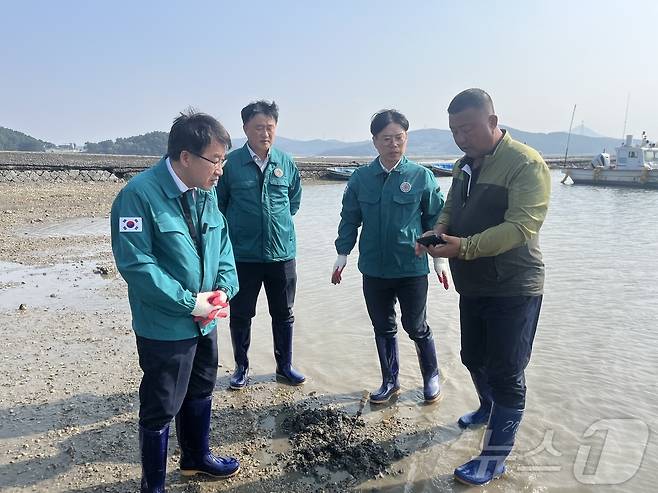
{"points": [[387, 349], [240, 339], [481, 415], [283, 354], [429, 368], [193, 429], [153, 452], [498, 443]]}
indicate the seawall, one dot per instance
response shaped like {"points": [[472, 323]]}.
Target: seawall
{"points": [[20, 167]]}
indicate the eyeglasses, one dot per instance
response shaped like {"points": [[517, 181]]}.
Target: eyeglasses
{"points": [[214, 163]]}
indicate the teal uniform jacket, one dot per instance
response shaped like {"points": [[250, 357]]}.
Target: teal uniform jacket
{"points": [[259, 205], [158, 258], [392, 210]]}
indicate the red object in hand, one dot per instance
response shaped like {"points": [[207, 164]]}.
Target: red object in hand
{"points": [[215, 300], [336, 277], [443, 279]]}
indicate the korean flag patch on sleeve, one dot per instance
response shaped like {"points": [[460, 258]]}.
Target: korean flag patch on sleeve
{"points": [[130, 224]]}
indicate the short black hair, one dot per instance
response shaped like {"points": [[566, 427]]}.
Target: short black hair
{"points": [[385, 117], [261, 106], [471, 98], [193, 131]]}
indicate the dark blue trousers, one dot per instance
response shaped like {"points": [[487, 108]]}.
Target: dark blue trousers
{"points": [[496, 337], [173, 372], [280, 281], [381, 295]]}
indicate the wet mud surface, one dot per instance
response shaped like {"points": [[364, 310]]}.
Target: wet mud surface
{"points": [[333, 439]]}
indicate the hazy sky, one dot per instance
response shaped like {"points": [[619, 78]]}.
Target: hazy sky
{"points": [[76, 71]]}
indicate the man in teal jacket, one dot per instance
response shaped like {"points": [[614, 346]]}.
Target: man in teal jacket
{"points": [[259, 193], [171, 245], [393, 200]]}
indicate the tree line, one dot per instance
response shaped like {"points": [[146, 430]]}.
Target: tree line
{"points": [[150, 144], [11, 140]]}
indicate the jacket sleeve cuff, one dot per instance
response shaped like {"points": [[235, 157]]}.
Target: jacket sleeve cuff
{"points": [[463, 246]]}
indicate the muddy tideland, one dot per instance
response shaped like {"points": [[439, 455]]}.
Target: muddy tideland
{"points": [[69, 379]]}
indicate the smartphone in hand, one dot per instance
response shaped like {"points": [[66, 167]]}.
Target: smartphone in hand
{"points": [[431, 240]]}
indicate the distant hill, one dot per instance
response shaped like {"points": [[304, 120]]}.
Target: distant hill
{"points": [[583, 130], [11, 140], [429, 142], [425, 142], [554, 143], [150, 144], [435, 142], [300, 147], [155, 144]]}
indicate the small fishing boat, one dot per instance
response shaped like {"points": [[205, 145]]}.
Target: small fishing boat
{"points": [[636, 166], [340, 172], [442, 169]]}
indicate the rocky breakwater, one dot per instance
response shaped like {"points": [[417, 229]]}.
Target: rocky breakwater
{"points": [[26, 167]]}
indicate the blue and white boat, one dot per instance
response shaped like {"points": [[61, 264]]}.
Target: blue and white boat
{"points": [[341, 172], [442, 169], [636, 166]]}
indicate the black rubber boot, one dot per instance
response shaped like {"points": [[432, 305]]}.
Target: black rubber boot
{"points": [[387, 349], [193, 429], [283, 354], [153, 452], [498, 443], [241, 340], [429, 368], [481, 415]]}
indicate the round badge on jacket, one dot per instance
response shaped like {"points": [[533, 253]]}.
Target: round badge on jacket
{"points": [[405, 187], [278, 172]]}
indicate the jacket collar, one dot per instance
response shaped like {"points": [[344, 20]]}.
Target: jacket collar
{"points": [[165, 179], [275, 156], [502, 144], [377, 168]]}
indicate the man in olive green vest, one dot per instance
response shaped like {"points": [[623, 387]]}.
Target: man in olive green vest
{"points": [[491, 220]]}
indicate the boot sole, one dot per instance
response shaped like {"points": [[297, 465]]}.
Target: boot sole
{"points": [[287, 381], [470, 426], [395, 392], [468, 483], [194, 472], [236, 387], [435, 399]]}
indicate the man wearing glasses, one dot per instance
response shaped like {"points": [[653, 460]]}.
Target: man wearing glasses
{"points": [[171, 245], [392, 201], [259, 193]]}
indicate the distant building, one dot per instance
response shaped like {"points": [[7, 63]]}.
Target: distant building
{"points": [[65, 148]]}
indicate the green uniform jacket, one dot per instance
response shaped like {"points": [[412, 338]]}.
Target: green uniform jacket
{"points": [[499, 222], [159, 260], [259, 205], [392, 210]]}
